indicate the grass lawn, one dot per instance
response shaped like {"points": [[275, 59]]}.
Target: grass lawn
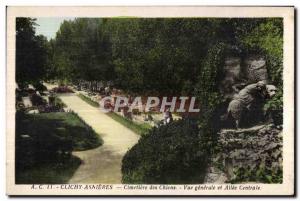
{"points": [[49, 173], [140, 129], [88, 100], [44, 143]]}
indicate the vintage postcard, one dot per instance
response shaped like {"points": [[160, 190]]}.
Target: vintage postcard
{"points": [[148, 101]]}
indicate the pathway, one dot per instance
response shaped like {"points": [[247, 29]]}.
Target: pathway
{"points": [[103, 164]]}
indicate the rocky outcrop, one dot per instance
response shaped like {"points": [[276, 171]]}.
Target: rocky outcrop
{"points": [[232, 76], [255, 69], [252, 154], [240, 72]]}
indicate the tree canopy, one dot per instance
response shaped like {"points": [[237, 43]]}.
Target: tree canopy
{"points": [[31, 53], [146, 55]]}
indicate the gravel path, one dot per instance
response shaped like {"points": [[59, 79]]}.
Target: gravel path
{"points": [[103, 164]]}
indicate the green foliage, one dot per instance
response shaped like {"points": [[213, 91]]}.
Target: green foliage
{"points": [[262, 175], [59, 103], [56, 172], [275, 102], [82, 51], [207, 86], [170, 154], [267, 38], [37, 100], [140, 129], [59, 126], [47, 140], [39, 86], [274, 107], [56, 101], [208, 93], [252, 155], [88, 100], [31, 53], [137, 53], [43, 138]]}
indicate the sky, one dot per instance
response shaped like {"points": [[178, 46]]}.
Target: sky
{"points": [[49, 26]]}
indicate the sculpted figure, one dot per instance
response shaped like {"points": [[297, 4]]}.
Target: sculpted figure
{"points": [[247, 100], [271, 89]]}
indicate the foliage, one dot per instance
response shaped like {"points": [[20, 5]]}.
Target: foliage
{"points": [[31, 53], [59, 103], [62, 89], [274, 107], [39, 86], [209, 78], [54, 100], [252, 155], [170, 154], [208, 93], [261, 175], [267, 39], [140, 129], [133, 52], [37, 100], [50, 137], [82, 51], [56, 172], [88, 100]]}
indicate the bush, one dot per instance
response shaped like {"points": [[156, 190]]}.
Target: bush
{"points": [[62, 89], [88, 100], [56, 101], [274, 107], [39, 87], [37, 100], [171, 154]]}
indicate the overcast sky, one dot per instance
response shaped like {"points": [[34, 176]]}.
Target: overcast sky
{"points": [[49, 26]]}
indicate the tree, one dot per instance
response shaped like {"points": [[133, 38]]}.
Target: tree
{"points": [[82, 51], [31, 53]]}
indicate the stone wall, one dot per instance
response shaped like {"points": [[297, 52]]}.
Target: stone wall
{"points": [[252, 154], [240, 72]]}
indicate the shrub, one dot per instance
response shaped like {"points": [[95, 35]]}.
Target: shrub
{"points": [[274, 107], [62, 89], [39, 87], [170, 154], [88, 100], [56, 101], [37, 100]]}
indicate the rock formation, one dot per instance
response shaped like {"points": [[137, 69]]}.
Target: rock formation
{"points": [[255, 69], [238, 73], [233, 79], [253, 154]]}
